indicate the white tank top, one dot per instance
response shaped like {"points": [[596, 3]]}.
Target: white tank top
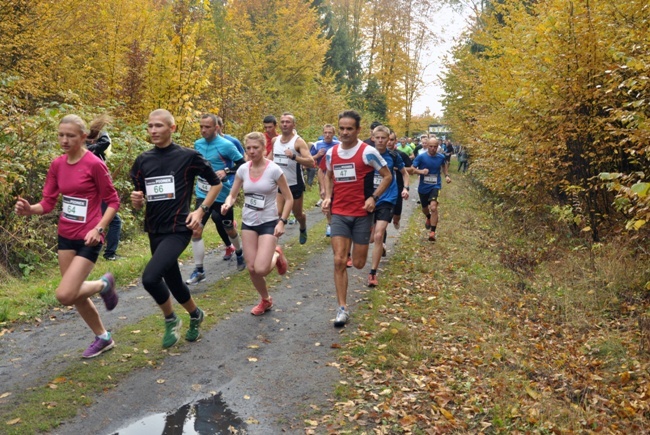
{"points": [[291, 168], [260, 194]]}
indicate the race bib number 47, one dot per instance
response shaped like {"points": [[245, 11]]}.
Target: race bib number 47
{"points": [[160, 188], [344, 172]]}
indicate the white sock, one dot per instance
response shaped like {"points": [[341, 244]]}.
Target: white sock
{"points": [[198, 249], [236, 241], [105, 336]]}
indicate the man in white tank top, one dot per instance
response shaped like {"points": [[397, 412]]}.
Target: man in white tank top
{"points": [[291, 152]]}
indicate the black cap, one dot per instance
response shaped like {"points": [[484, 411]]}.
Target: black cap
{"points": [[375, 124]]}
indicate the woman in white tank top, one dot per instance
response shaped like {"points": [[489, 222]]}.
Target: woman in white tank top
{"points": [[260, 179]]}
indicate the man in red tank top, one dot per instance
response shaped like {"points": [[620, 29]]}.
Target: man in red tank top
{"points": [[350, 195]]}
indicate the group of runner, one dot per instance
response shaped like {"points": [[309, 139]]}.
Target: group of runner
{"points": [[362, 189]]}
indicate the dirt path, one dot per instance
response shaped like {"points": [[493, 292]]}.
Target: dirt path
{"points": [[292, 345]]}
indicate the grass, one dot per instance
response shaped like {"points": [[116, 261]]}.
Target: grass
{"points": [[497, 327], [44, 407]]}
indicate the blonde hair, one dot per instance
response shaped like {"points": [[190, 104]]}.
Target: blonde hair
{"points": [[381, 128], [165, 114], [255, 136], [76, 120]]}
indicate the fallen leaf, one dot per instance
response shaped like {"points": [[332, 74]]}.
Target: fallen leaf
{"points": [[253, 346], [137, 331], [252, 359], [3, 395], [160, 381], [13, 422], [247, 397], [335, 346], [59, 380]]}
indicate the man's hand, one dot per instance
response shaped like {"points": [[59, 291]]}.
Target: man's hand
{"points": [[137, 199]]}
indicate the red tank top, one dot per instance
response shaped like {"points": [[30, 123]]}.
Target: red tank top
{"points": [[353, 183]]}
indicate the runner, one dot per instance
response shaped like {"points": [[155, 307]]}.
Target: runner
{"points": [[351, 199], [321, 148], [225, 159], [261, 178], [290, 151], [84, 182], [429, 165], [386, 204], [270, 131], [165, 175], [401, 185]]}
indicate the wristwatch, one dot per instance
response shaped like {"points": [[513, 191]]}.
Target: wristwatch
{"points": [[284, 221], [293, 157], [100, 230], [375, 197], [205, 208], [407, 188]]}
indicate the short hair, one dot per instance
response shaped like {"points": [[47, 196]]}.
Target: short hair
{"points": [[165, 114], [374, 125], [212, 117], [352, 115], [329, 126], [219, 121], [270, 118], [255, 136], [381, 128], [76, 120], [293, 118]]}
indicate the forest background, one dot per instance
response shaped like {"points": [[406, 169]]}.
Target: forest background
{"points": [[239, 59], [550, 98]]}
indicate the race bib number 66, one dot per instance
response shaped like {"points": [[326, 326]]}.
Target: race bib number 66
{"points": [[160, 188]]}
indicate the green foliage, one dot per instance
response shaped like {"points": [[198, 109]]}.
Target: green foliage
{"points": [[552, 107]]}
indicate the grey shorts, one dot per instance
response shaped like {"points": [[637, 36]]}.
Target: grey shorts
{"points": [[352, 227]]}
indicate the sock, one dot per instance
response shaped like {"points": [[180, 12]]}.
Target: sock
{"points": [[373, 271], [239, 252], [198, 249], [428, 216], [105, 336], [303, 230], [433, 227], [199, 267], [236, 241], [196, 313], [105, 283], [171, 317]]}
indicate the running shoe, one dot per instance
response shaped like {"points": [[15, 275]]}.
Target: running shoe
{"points": [[109, 295], [281, 263], [196, 277], [319, 203], [383, 252], [349, 263], [193, 333], [432, 236], [113, 257], [303, 236], [229, 251], [396, 224], [372, 280], [172, 332], [292, 220], [262, 307], [342, 317], [99, 346], [427, 224], [241, 264], [328, 231]]}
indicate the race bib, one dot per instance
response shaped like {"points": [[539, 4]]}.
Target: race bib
{"points": [[344, 172], [281, 159], [431, 179], [377, 180], [160, 188], [202, 185], [254, 201], [75, 209]]}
